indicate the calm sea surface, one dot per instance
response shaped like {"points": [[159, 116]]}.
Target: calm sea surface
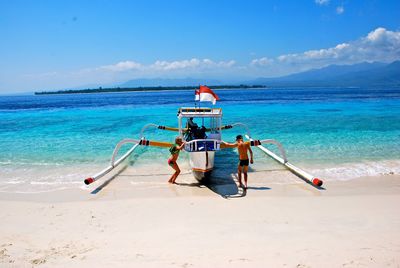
{"points": [[60, 139]]}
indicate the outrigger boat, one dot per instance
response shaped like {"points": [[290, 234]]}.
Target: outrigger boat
{"points": [[202, 144]]}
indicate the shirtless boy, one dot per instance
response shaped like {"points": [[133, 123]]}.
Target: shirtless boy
{"points": [[243, 165]]}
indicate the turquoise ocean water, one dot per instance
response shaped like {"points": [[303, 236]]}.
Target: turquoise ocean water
{"points": [[56, 140]]}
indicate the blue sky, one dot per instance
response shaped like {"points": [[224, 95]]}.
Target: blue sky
{"points": [[60, 44]]}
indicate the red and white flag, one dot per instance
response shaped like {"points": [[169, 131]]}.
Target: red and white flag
{"points": [[206, 94]]}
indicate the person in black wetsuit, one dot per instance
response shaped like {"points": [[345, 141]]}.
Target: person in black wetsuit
{"points": [[192, 129], [191, 124]]}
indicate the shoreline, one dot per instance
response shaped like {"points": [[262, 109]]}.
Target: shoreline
{"points": [[263, 172], [261, 88], [143, 89], [114, 189]]}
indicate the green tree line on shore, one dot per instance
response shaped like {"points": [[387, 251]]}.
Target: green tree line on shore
{"points": [[129, 89]]}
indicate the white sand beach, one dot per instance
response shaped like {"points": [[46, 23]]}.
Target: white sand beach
{"points": [[102, 101], [352, 223]]}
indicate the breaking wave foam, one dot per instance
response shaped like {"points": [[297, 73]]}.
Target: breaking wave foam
{"points": [[357, 170]]}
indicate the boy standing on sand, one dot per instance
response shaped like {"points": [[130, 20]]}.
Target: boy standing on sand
{"points": [[243, 165]]}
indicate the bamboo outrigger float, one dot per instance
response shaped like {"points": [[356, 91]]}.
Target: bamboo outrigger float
{"points": [[202, 144]]}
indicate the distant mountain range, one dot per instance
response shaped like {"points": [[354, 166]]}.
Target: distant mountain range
{"points": [[364, 74], [357, 75], [375, 74]]}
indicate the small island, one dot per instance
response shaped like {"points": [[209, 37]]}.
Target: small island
{"points": [[130, 89]]}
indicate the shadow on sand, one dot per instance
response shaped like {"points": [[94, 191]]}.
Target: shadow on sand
{"points": [[118, 172], [106, 182], [309, 183], [224, 180], [123, 167], [192, 184]]}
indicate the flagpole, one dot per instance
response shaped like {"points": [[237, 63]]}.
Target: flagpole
{"points": [[195, 106], [199, 96]]}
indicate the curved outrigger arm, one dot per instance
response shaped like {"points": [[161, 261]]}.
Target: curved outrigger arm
{"points": [[159, 127], [114, 163], [278, 144], [283, 160], [243, 125]]}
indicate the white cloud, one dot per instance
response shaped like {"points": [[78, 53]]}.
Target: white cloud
{"points": [[174, 65], [125, 70], [190, 64], [329, 53], [381, 35], [121, 66], [322, 2], [340, 10], [262, 61], [161, 65], [379, 45]]}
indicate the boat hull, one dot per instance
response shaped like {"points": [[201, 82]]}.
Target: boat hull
{"points": [[202, 164], [201, 176]]}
